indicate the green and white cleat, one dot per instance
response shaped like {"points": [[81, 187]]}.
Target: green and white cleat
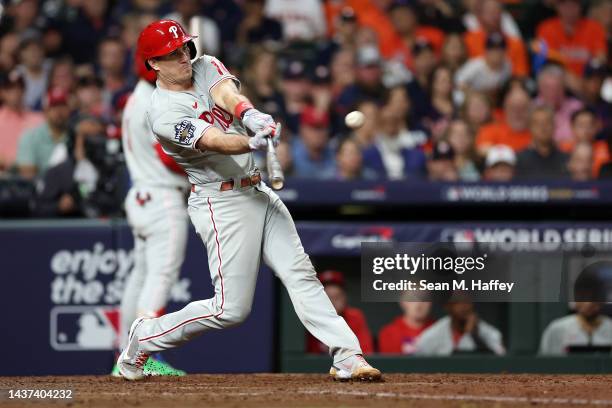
{"points": [[115, 372], [157, 368]]}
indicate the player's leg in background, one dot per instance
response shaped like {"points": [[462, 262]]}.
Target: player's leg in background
{"points": [[136, 215], [165, 251], [230, 224], [283, 252]]}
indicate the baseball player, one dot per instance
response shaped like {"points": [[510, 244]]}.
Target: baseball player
{"points": [[157, 213], [200, 118]]}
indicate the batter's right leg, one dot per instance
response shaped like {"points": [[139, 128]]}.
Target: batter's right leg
{"points": [[231, 226]]}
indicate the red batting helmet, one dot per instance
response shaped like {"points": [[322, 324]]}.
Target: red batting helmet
{"points": [[162, 37]]}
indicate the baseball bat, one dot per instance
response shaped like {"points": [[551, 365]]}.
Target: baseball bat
{"points": [[275, 172]]}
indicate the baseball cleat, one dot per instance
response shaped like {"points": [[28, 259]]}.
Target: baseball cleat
{"points": [[115, 372], [131, 361], [354, 368], [158, 368]]}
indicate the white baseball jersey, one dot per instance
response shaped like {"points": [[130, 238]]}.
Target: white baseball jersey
{"points": [[179, 119], [143, 163], [568, 331]]}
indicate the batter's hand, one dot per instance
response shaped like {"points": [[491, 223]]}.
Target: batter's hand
{"points": [[260, 140], [257, 121]]}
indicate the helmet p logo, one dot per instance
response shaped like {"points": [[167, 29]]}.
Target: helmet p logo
{"points": [[173, 30]]}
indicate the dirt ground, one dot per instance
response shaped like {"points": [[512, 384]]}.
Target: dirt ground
{"points": [[309, 390]]}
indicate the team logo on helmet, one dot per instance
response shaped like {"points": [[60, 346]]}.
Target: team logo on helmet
{"points": [[184, 132]]}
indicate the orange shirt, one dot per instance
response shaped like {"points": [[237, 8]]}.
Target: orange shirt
{"points": [[475, 42], [587, 41], [396, 47], [501, 133], [398, 337], [601, 154], [358, 324], [13, 126]]}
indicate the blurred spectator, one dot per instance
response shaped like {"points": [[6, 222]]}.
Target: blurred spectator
{"points": [[542, 160], [62, 75], [551, 92], [424, 62], [513, 131], [14, 117], [587, 327], [262, 82], [585, 127], [111, 59], [453, 52], [476, 110], [441, 165], [255, 27], [187, 14], [333, 283], [489, 16], [89, 97], [9, 45], [494, 18], [441, 93], [295, 87], [398, 103], [312, 155], [321, 92], [500, 164], [594, 75], [364, 135], [580, 163], [368, 84], [34, 69], [349, 162], [461, 140], [88, 181], [460, 332], [489, 72], [394, 154], [92, 23], [404, 18], [345, 28], [21, 16], [399, 336], [574, 38], [37, 145], [342, 70], [303, 20]]}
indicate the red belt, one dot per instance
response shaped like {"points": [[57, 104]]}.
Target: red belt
{"points": [[244, 182]]}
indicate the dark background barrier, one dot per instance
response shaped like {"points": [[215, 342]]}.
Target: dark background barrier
{"points": [[65, 278]]}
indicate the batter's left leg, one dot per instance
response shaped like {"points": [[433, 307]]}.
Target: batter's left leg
{"points": [[283, 252]]}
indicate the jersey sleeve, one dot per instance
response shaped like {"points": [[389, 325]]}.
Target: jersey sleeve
{"points": [[178, 127], [212, 72]]}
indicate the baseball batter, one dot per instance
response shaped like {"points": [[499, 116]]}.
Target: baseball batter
{"points": [[200, 118], [157, 214]]}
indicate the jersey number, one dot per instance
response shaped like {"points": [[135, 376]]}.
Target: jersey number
{"points": [[219, 65], [220, 115]]}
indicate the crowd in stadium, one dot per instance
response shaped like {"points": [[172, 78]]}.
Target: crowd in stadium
{"points": [[461, 330], [452, 91]]}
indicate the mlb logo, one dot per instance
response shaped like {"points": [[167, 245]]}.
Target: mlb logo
{"points": [[76, 328]]}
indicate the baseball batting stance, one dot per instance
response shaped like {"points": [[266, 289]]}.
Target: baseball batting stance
{"points": [[201, 120], [157, 214]]}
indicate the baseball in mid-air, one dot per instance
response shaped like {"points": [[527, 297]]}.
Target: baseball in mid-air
{"points": [[354, 120]]}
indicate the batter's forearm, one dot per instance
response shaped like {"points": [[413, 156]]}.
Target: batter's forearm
{"points": [[227, 95], [225, 143]]}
